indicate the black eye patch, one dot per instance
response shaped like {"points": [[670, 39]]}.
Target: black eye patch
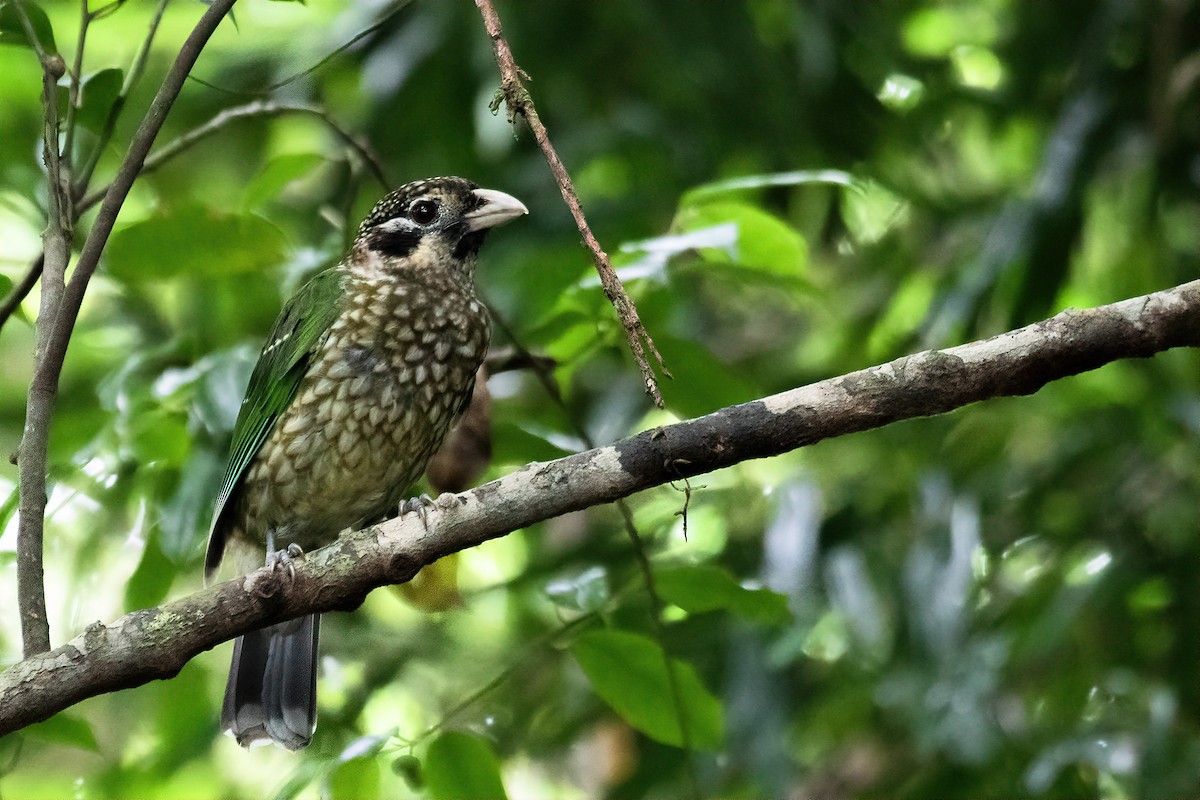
{"points": [[398, 242]]}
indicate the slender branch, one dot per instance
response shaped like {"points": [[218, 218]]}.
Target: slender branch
{"points": [[31, 464], [21, 289], [259, 108], [53, 68], [157, 642], [519, 101], [57, 321], [32, 453], [84, 175]]}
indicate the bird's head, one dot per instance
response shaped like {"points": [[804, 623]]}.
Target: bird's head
{"points": [[437, 223]]}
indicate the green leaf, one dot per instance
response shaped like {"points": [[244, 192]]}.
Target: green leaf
{"points": [[629, 673], [193, 240], [152, 579], [832, 177], [97, 93], [461, 766], [65, 729], [764, 242], [277, 174], [304, 774], [586, 591], [703, 587], [870, 211], [536, 287], [935, 31], [9, 507], [181, 712], [977, 67], [513, 444], [159, 437], [13, 32], [355, 778], [365, 747], [186, 513], [901, 92]]}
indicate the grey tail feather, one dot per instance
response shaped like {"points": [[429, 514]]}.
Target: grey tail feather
{"points": [[272, 688]]}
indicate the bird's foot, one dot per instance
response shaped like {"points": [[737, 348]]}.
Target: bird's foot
{"points": [[281, 568], [285, 560], [421, 505]]}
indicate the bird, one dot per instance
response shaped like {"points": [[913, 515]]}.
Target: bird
{"points": [[365, 371]]}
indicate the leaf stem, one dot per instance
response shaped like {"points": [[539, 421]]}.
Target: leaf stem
{"points": [[76, 76]]}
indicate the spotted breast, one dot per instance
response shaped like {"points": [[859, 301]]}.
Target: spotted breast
{"points": [[384, 387]]}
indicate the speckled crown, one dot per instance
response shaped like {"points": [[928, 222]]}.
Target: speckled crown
{"points": [[393, 204]]}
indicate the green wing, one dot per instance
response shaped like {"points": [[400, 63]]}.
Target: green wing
{"points": [[298, 333]]}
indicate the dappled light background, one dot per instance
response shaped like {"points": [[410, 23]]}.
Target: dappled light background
{"points": [[1000, 601]]}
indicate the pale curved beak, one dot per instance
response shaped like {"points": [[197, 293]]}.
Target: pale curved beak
{"points": [[495, 208]]}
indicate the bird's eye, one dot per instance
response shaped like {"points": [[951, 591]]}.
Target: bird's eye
{"points": [[423, 212]]}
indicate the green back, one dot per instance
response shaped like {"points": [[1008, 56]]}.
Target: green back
{"points": [[298, 333]]}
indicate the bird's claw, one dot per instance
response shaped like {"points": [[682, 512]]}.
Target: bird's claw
{"points": [[421, 504], [281, 569], [285, 559]]}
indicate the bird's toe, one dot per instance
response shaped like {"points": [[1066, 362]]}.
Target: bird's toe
{"points": [[421, 505]]}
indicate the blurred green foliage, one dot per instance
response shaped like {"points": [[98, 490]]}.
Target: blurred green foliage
{"points": [[1001, 601]]}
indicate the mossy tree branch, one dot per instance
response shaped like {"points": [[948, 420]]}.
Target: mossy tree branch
{"points": [[157, 642]]}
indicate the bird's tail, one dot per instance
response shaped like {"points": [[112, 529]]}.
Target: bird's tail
{"points": [[272, 688]]}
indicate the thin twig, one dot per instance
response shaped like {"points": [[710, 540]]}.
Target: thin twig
{"points": [[259, 108], [510, 359], [131, 167], [114, 113], [343, 47], [543, 370], [21, 289], [53, 68], [85, 19], [59, 322], [462, 705], [517, 97], [660, 633]]}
